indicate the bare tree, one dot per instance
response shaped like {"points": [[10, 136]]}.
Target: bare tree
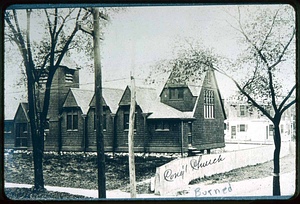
{"points": [[41, 59], [268, 38]]}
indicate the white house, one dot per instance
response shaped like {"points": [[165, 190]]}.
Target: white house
{"points": [[246, 123]]}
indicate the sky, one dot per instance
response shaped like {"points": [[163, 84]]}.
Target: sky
{"points": [[140, 36], [137, 37]]}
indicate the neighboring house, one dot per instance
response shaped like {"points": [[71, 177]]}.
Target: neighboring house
{"points": [[21, 129], [247, 124], [183, 116]]}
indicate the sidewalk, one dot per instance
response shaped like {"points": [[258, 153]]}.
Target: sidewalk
{"points": [[251, 187]]}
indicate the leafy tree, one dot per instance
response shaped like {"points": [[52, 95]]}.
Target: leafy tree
{"points": [[265, 63], [269, 38]]}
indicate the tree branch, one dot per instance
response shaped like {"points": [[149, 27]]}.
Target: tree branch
{"points": [[269, 33], [287, 97], [250, 81], [284, 50], [55, 21], [62, 24], [272, 90], [245, 93], [49, 22], [287, 106], [65, 48]]}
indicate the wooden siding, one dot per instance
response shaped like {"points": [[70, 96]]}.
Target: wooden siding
{"points": [[208, 133], [185, 104]]}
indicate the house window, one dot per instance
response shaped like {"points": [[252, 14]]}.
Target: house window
{"points": [[281, 129], [242, 128], [271, 130], [162, 125], [126, 119], [21, 136], [180, 93], [176, 93], [103, 120], [172, 93], [7, 127], [72, 120], [69, 78], [209, 104], [233, 132], [242, 110]]}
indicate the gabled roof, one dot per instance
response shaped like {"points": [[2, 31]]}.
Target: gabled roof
{"points": [[195, 90], [192, 82], [220, 97], [145, 97], [24, 107], [69, 63], [160, 110], [79, 98], [149, 102], [11, 105], [111, 96]]}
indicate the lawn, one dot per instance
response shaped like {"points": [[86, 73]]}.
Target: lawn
{"points": [[29, 194], [79, 170]]}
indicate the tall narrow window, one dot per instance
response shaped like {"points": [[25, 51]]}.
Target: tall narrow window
{"points": [[242, 110], [281, 129], [176, 93], [126, 119], [271, 130], [180, 93], [72, 120], [103, 119], [21, 135], [172, 94], [209, 111], [233, 132]]}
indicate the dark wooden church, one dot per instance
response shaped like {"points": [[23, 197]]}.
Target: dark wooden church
{"points": [[183, 116]]}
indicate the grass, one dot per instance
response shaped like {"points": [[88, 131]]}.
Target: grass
{"points": [[79, 170], [29, 194]]}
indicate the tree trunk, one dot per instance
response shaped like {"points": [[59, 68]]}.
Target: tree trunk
{"points": [[37, 144], [276, 175]]}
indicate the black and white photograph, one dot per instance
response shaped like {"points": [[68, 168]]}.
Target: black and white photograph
{"points": [[185, 101]]}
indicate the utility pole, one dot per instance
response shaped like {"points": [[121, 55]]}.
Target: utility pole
{"points": [[98, 94], [99, 107], [131, 133]]}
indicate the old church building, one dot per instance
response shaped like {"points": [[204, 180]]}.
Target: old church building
{"points": [[183, 116]]}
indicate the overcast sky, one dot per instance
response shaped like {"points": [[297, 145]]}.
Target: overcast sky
{"points": [[144, 35]]}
